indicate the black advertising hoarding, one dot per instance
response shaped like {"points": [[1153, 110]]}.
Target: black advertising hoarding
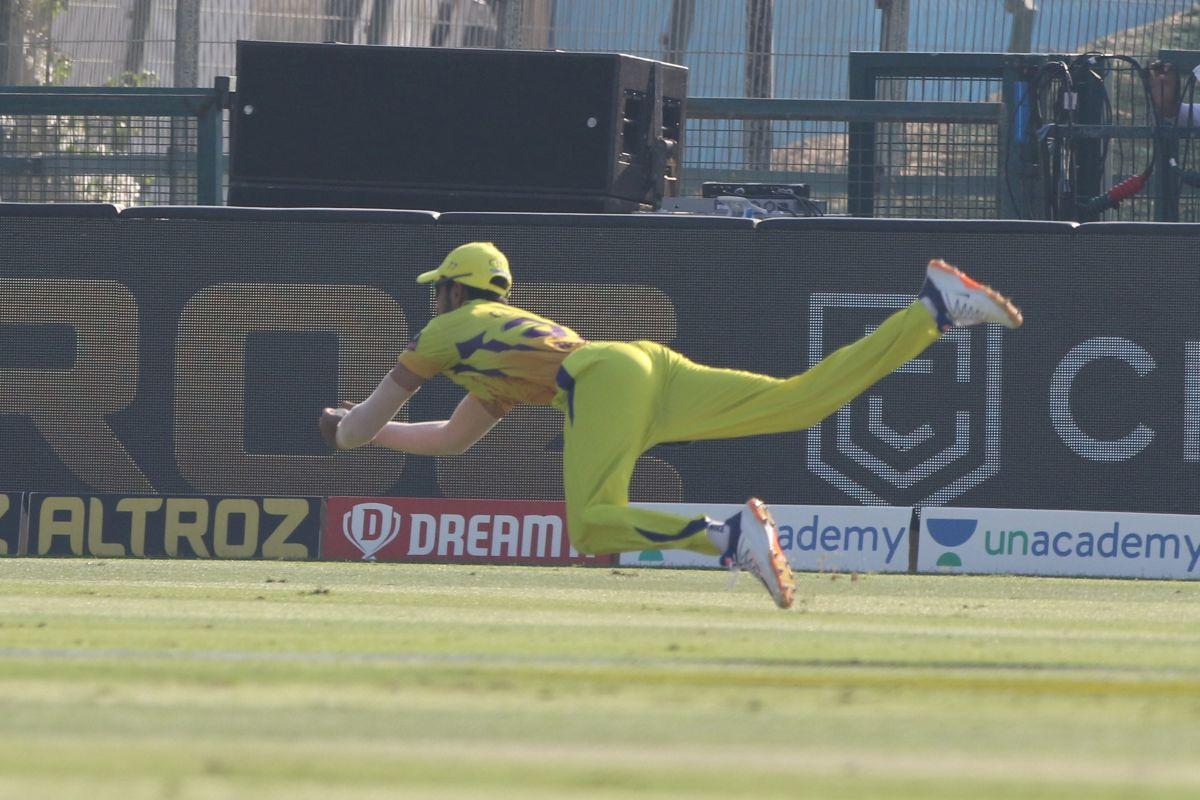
{"points": [[191, 356], [1094, 403], [10, 523], [139, 526]]}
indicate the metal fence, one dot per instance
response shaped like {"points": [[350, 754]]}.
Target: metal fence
{"points": [[1124, 135], [735, 48], [121, 146], [944, 157], [933, 159], [162, 147], [925, 159]]}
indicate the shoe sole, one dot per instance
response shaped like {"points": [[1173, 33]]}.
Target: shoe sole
{"points": [[1003, 303], [779, 563]]}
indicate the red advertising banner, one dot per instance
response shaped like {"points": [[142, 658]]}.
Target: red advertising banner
{"points": [[450, 531]]}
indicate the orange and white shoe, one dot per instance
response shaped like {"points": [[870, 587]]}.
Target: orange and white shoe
{"points": [[754, 547], [955, 300]]}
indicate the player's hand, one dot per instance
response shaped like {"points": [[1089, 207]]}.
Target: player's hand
{"points": [[330, 418]]}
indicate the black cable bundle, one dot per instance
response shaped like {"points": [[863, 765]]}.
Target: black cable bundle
{"points": [[1052, 147], [1188, 177]]}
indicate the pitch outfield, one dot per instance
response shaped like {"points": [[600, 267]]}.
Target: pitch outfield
{"points": [[160, 679]]}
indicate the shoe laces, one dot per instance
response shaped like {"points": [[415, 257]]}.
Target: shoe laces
{"points": [[737, 563], [964, 308], [733, 576], [737, 568], [747, 564]]}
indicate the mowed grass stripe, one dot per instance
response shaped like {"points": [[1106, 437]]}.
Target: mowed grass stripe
{"points": [[206, 680], [364, 759], [1158, 621], [966, 676]]}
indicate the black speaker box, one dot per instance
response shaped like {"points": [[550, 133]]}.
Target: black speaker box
{"points": [[451, 129]]}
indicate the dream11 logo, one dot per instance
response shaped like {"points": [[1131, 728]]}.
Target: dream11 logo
{"points": [[371, 527], [875, 448]]}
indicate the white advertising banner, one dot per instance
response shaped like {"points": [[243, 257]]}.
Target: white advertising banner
{"points": [[815, 538], [1083, 543]]}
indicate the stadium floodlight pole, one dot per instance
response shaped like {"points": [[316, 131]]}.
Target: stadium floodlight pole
{"points": [[679, 31], [510, 19], [135, 40], [1023, 14], [12, 54], [893, 27], [186, 75], [760, 33], [187, 43], [893, 36]]}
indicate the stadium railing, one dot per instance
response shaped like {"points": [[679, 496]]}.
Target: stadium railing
{"points": [[127, 146], [885, 156]]}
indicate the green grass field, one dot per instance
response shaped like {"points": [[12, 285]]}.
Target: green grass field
{"points": [[161, 679]]}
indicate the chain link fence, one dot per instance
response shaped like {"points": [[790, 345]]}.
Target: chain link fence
{"points": [[127, 146], [125, 160], [922, 169], [734, 48]]}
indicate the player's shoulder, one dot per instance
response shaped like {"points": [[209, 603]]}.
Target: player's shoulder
{"points": [[489, 314], [453, 323], [450, 319], [435, 332], [508, 312], [477, 316]]}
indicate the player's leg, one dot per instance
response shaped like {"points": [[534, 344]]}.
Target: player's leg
{"points": [[708, 403], [611, 403], [610, 406]]}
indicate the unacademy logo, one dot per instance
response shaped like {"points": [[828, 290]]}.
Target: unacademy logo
{"points": [[823, 537], [950, 533]]}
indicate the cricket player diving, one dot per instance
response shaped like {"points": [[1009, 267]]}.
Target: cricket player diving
{"points": [[619, 399]]}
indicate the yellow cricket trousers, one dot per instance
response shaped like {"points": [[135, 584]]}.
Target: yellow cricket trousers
{"points": [[620, 399]]}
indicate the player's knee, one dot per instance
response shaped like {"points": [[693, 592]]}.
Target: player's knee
{"points": [[584, 544], [591, 539], [593, 531]]}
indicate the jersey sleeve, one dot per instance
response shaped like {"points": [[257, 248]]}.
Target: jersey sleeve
{"points": [[430, 353], [495, 404]]}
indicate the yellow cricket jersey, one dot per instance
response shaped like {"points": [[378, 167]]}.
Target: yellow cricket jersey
{"points": [[496, 352]]}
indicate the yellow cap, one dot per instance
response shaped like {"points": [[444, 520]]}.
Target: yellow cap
{"points": [[478, 264]]}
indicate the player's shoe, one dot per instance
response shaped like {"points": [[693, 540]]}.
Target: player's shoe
{"points": [[754, 547], [956, 300]]}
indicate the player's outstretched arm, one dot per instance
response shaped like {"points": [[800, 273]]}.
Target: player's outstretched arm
{"points": [[471, 420], [354, 425]]}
